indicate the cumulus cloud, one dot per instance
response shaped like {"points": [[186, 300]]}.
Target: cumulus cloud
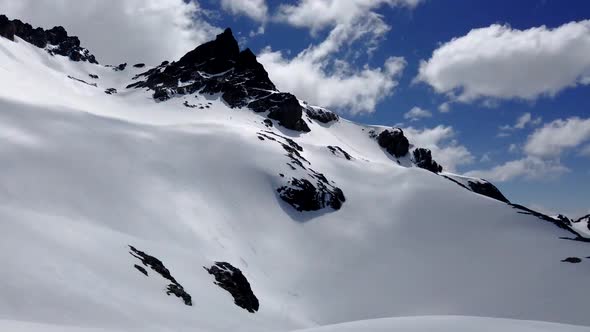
{"points": [[441, 140], [417, 113], [523, 121], [122, 30], [528, 167], [498, 62], [320, 14], [254, 9], [324, 73], [355, 91], [557, 136]]}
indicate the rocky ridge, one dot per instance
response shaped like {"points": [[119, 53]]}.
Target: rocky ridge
{"points": [[54, 41]]}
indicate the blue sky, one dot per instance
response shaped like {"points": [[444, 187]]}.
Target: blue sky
{"points": [[514, 75]]}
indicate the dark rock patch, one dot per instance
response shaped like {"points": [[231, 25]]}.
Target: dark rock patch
{"points": [[303, 195], [574, 260], [141, 269], [233, 280], [423, 159], [485, 188], [267, 123], [394, 141], [119, 67], [321, 115], [110, 91], [7, 28], [219, 67], [284, 108], [139, 65], [82, 81], [93, 76], [337, 151], [156, 265], [189, 105], [54, 40]]}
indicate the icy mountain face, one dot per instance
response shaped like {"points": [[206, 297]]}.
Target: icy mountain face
{"points": [[124, 213]]}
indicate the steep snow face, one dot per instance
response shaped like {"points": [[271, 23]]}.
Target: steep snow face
{"points": [[85, 174]]}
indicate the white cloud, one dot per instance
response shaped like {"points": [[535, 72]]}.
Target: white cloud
{"points": [[499, 62], [444, 107], [485, 158], [553, 138], [254, 9], [441, 141], [523, 121], [513, 148], [355, 91], [323, 73], [417, 113], [320, 14], [528, 167], [122, 30]]}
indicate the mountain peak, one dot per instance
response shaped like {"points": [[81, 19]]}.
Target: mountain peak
{"points": [[224, 47]]}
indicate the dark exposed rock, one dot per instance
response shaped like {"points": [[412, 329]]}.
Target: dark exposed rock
{"points": [[337, 151], [305, 196], [394, 141], [140, 269], [423, 159], [218, 67], [233, 280], [189, 105], [110, 91], [7, 28], [54, 40], [81, 81], [156, 265], [93, 76], [485, 188], [574, 260], [139, 65], [119, 67], [283, 107], [267, 123], [321, 115]]}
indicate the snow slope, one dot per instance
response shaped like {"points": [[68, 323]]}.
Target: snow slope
{"points": [[85, 174]]}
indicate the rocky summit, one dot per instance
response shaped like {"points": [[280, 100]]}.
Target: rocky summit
{"points": [[219, 67]]}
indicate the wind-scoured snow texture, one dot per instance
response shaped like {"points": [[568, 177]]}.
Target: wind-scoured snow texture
{"points": [[85, 173]]}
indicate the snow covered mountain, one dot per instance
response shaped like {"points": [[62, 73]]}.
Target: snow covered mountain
{"points": [[194, 196]]}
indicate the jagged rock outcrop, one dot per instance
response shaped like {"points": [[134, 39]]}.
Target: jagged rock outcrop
{"points": [[423, 159], [338, 151], [303, 195], [485, 188], [233, 280], [157, 266], [54, 40], [219, 67], [320, 114], [394, 141]]}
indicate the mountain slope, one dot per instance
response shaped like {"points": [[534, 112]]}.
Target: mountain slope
{"points": [[86, 174]]}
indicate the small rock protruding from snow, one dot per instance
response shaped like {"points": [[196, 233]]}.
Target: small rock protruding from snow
{"points": [[321, 114], [155, 264], [233, 280], [423, 159], [394, 141], [574, 260]]}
